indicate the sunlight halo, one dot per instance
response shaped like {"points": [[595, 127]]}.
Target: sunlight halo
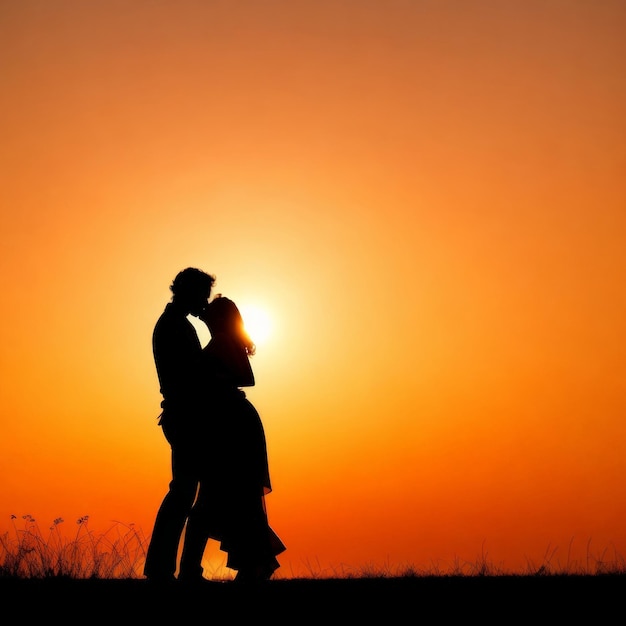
{"points": [[257, 322]]}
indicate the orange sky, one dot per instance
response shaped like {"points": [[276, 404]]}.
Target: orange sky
{"points": [[428, 200]]}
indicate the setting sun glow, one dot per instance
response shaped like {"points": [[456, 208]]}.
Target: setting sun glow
{"points": [[257, 322]]}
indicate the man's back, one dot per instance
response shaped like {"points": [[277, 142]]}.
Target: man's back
{"points": [[177, 357]]}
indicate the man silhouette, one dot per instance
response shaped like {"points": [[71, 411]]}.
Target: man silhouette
{"points": [[178, 359]]}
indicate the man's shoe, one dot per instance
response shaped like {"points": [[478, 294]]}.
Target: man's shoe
{"points": [[192, 579], [162, 579]]}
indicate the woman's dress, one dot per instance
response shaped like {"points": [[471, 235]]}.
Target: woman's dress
{"points": [[237, 473]]}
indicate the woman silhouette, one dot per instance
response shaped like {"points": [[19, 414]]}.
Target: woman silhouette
{"points": [[235, 470]]}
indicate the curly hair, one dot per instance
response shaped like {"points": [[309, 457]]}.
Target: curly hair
{"points": [[190, 281]]}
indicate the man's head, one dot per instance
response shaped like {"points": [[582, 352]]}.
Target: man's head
{"points": [[192, 289]]}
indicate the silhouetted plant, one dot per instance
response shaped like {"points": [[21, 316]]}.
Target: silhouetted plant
{"points": [[117, 553]]}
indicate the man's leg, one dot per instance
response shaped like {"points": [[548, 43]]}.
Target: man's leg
{"points": [[200, 526], [170, 520]]}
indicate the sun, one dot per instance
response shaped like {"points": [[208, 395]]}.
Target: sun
{"points": [[257, 322]]}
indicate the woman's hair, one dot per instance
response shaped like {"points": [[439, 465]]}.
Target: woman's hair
{"points": [[224, 316], [190, 282]]}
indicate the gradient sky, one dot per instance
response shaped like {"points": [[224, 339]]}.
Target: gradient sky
{"points": [[428, 200]]}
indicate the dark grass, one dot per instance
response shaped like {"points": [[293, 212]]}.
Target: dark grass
{"points": [[89, 577], [513, 599]]}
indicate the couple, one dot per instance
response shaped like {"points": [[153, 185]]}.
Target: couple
{"points": [[220, 472]]}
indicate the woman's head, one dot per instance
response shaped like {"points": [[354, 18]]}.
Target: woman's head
{"points": [[223, 316]]}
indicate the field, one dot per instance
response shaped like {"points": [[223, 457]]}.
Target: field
{"points": [[89, 577], [549, 600]]}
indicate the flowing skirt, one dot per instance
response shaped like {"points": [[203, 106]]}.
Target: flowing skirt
{"points": [[238, 478]]}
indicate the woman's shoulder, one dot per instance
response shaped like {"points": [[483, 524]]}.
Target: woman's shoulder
{"points": [[229, 361], [221, 343]]}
